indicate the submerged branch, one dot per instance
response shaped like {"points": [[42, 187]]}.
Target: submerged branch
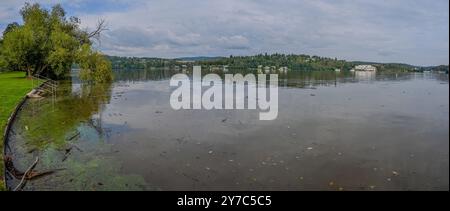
{"points": [[20, 185]]}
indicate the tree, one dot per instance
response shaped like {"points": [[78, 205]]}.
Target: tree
{"points": [[10, 28], [49, 44], [17, 49], [94, 66]]}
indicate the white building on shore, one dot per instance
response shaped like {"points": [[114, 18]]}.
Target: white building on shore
{"points": [[364, 68]]}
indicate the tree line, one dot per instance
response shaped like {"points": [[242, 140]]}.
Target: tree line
{"points": [[300, 62]]}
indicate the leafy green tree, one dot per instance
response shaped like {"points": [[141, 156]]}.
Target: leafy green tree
{"points": [[17, 49], [10, 28], [48, 43], [94, 66]]}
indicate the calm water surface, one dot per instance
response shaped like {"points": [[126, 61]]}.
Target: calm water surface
{"points": [[334, 131]]}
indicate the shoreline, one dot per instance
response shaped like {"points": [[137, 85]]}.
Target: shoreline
{"points": [[5, 135]]}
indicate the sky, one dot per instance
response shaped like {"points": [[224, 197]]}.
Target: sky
{"points": [[404, 31]]}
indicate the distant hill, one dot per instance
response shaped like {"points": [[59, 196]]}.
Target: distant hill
{"points": [[379, 63], [294, 62], [440, 68], [390, 67], [199, 58], [118, 62]]}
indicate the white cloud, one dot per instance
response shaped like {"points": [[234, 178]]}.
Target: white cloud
{"points": [[410, 31], [238, 42]]}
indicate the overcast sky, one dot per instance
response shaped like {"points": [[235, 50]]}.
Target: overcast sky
{"points": [[407, 31]]}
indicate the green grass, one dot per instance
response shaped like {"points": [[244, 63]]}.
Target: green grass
{"points": [[13, 87]]}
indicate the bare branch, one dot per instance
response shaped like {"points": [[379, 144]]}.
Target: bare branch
{"points": [[20, 185], [101, 26]]}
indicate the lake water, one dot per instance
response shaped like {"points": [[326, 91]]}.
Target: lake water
{"points": [[334, 131]]}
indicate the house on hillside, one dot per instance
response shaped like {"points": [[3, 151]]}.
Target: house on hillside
{"points": [[364, 68]]}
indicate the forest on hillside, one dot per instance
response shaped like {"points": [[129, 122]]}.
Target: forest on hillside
{"points": [[294, 62]]}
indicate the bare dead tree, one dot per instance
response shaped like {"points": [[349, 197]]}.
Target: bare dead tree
{"points": [[101, 26]]}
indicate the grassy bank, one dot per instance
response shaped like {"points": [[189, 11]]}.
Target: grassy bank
{"points": [[13, 87]]}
